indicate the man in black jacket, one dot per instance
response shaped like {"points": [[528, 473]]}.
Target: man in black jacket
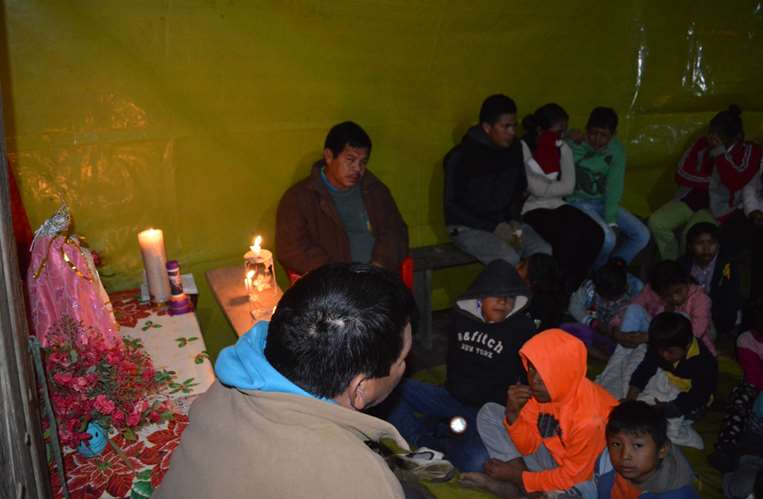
{"points": [[485, 187]]}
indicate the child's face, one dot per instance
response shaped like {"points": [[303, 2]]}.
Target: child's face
{"points": [[675, 295], [634, 456], [671, 355], [559, 127], [703, 249], [598, 137], [496, 308], [538, 388]]}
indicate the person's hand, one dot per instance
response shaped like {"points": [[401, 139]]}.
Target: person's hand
{"points": [[756, 217], [632, 393], [713, 140], [504, 230], [631, 340], [577, 136], [516, 398]]}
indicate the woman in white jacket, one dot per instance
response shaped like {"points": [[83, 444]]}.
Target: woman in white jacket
{"points": [[575, 238]]}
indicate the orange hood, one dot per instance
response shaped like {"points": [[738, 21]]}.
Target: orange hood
{"points": [[560, 359]]}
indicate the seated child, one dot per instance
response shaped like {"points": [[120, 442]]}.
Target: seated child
{"points": [[715, 272], [599, 181], [670, 289], [548, 299], [486, 330], [711, 178], [739, 411], [678, 373], [598, 306], [551, 431], [639, 460]]}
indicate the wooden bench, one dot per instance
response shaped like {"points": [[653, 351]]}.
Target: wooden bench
{"points": [[427, 259]]}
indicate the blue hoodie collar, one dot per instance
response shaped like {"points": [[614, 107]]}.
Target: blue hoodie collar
{"points": [[245, 367]]}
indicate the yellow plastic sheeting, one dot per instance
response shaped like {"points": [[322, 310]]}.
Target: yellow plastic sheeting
{"points": [[195, 116]]}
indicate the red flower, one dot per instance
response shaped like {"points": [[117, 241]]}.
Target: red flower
{"points": [[111, 384], [62, 378], [104, 405], [133, 419]]}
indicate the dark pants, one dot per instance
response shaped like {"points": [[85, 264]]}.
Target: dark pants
{"points": [[739, 233], [421, 413], [575, 237]]}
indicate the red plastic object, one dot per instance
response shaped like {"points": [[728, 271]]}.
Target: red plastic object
{"points": [[406, 272], [293, 276]]}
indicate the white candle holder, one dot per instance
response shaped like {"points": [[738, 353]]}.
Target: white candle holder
{"points": [[258, 268]]}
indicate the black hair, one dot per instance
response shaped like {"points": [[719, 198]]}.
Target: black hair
{"points": [[635, 417], [543, 118], [701, 228], [347, 133], [602, 117], [611, 280], [549, 300], [336, 322], [668, 273], [495, 106], [728, 123], [670, 329]]}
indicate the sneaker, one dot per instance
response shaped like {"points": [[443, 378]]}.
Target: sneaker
{"points": [[426, 464], [681, 432]]}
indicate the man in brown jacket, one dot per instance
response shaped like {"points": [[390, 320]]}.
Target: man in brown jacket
{"points": [[283, 419], [341, 212]]}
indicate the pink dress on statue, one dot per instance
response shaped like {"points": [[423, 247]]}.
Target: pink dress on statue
{"points": [[63, 282]]}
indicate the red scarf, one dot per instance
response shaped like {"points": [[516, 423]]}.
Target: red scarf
{"points": [[547, 153]]}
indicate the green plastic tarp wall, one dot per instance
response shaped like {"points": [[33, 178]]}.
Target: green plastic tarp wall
{"points": [[194, 116]]}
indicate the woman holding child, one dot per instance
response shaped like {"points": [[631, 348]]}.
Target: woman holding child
{"points": [[576, 239]]}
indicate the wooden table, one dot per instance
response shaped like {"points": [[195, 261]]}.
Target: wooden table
{"points": [[227, 284]]}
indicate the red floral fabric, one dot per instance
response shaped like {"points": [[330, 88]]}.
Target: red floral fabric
{"points": [[128, 309], [135, 471]]}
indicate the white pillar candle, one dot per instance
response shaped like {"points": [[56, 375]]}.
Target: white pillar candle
{"points": [[155, 262]]}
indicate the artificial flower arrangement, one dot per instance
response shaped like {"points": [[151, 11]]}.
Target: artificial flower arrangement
{"points": [[95, 381]]}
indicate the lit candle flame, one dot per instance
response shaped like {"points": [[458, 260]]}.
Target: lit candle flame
{"points": [[250, 274], [255, 247]]}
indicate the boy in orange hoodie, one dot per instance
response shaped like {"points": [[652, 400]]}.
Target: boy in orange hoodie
{"points": [[551, 432]]}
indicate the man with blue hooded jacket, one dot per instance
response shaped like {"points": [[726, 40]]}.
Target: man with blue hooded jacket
{"points": [[284, 418]]}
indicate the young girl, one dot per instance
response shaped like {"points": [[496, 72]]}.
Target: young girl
{"points": [[599, 304], [550, 168], [711, 177], [670, 289], [599, 179]]}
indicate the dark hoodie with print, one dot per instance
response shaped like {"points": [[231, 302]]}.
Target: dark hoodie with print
{"points": [[483, 358], [483, 182]]}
